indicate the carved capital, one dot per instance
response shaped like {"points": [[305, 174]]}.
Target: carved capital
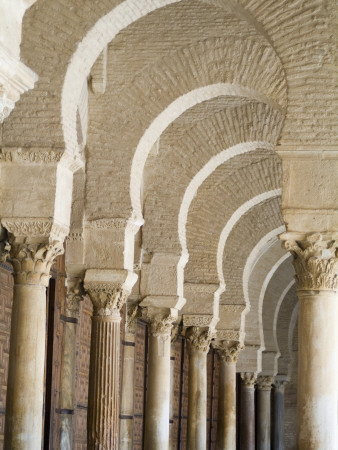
{"points": [[34, 244], [32, 262], [249, 379], [75, 293], [199, 339], [315, 259], [280, 385], [160, 325], [228, 351], [108, 290], [107, 298], [264, 383]]}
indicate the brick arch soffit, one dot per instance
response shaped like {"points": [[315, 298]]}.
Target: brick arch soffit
{"points": [[155, 130], [93, 43], [275, 319], [88, 50]]}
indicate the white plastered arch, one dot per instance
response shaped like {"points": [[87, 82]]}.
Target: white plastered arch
{"points": [[153, 133], [87, 52], [261, 247], [267, 279], [278, 306]]}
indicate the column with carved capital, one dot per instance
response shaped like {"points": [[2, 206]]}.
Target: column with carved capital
{"points": [[34, 246], [278, 414], [316, 265], [247, 422], [158, 382], [108, 292], [198, 343], [68, 371], [228, 352], [264, 384], [127, 389]]}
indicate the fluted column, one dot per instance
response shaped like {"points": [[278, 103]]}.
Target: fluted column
{"points": [[228, 352], [316, 266], [108, 295], [127, 389], [198, 343], [68, 371], [33, 249], [264, 384], [158, 382], [247, 422], [278, 415]]}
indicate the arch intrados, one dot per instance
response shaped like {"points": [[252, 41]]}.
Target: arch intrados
{"points": [[275, 319]]}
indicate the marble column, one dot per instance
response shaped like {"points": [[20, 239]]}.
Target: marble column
{"points": [[127, 388], [264, 384], [175, 332], [316, 266], [198, 343], [247, 419], [278, 415], [24, 404], [108, 296], [158, 380], [228, 352], [68, 371]]}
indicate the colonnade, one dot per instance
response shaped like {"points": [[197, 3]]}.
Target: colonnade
{"points": [[315, 263]]}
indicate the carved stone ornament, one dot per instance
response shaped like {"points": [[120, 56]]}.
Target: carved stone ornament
{"points": [[228, 351], [75, 294], [32, 262], [264, 383], [249, 379], [133, 313], [280, 384], [35, 227], [107, 298], [197, 320], [31, 155], [34, 244], [161, 326], [176, 331], [199, 339], [315, 259]]}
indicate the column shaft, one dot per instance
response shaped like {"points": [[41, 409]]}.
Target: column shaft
{"points": [[226, 426], [316, 265], [127, 393], [67, 389], [317, 370], [24, 403], [278, 419], [172, 395], [197, 400], [263, 419], [247, 419], [158, 394], [103, 396]]}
